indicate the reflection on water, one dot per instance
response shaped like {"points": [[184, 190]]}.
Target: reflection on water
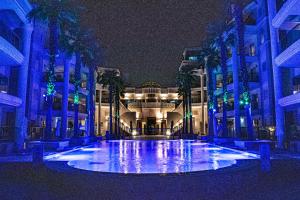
{"points": [[151, 156]]}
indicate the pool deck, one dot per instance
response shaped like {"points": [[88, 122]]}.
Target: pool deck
{"points": [[20, 179], [56, 180]]}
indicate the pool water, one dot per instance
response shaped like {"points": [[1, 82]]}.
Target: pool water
{"points": [[151, 156]]}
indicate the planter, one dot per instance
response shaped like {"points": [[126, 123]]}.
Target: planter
{"points": [[219, 140], [246, 144], [51, 145], [77, 141], [251, 144]]}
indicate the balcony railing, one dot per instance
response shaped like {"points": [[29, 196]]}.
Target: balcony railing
{"points": [[279, 4], [150, 105], [288, 38], [11, 36], [59, 77], [7, 132]]}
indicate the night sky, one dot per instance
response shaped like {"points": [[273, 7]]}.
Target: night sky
{"points": [[145, 38]]}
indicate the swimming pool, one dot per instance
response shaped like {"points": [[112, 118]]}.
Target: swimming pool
{"points": [[151, 156]]}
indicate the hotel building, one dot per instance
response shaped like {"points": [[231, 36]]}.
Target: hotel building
{"points": [[152, 109], [23, 65], [284, 19], [258, 62], [15, 45], [272, 42]]}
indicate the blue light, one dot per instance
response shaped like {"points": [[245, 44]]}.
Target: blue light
{"points": [[193, 58], [146, 156]]}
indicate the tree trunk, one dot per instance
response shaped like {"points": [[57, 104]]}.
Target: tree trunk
{"points": [[224, 83], [116, 112], [238, 15], [210, 106], [53, 42], [76, 92], [184, 116], [110, 109], [190, 112], [91, 101]]}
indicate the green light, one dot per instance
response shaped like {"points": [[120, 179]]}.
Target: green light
{"points": [[76, 98], [211, 106], [50, 89], [225, 97], [246, 98]]}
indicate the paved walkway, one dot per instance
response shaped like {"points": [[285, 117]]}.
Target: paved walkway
{"points": [[242, 181]]}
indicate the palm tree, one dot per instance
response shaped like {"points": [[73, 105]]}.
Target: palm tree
{"points": [[216, 30], [185, 81], [240, 33], [90, 56], [118, 91], [76, 41], [210, 59], [56, 13], [182, 93], [109, 78]]}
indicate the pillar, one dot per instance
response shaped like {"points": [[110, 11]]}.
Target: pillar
{"points": [[99, 110], [215, 122], [202, 129], [64, 114], [274, 38], [21, 119], [236, 92]]}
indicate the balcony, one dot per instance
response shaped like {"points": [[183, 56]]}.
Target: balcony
{"points": [[290, 57], [9, 54], [288, 8], [57, 108], [249, 59], [290, 100], [150, 105], [10, 100], [59, 79]]}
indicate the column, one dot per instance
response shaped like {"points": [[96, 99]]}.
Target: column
{"points": [[236, 92], [64, 114], [21, 119], [215, 122], [99, 110], [202, 129], [274, 38]]}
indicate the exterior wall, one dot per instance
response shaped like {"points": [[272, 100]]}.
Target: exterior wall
{"points": [[15, 44], [139, 104], [285, 45], [258, 61]]}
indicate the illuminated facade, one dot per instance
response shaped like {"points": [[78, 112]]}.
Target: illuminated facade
{"points": [[149, 110], [15, 42], [155, 110], [23, 65], [272, 41], [272, 58], [284, 17], [259, 66]]}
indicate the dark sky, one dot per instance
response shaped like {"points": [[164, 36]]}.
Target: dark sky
{"points": [[145, 38]]}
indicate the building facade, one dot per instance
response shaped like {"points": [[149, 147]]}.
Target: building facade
{"points": [[260, 80], [271, 33], [23, 66], [152, 109], [284, 17], [15, 45]]}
